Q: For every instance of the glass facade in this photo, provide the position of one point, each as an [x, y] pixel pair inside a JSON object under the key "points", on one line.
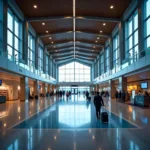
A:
{"points": [[116, 51], [31, 51], [102, 63], [14, 37], [147, 24], [40, 59], [74, 72], [107, 58], [132, 49], [47, 64]]}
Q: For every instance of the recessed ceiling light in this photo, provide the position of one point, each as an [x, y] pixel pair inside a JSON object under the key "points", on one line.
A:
{"points": [[96, 41], [98, 38], [52, 42], [43, 23], [46, 31], [50, 38], [35, 6], [111, 7], [101, 31], [104, 24]]}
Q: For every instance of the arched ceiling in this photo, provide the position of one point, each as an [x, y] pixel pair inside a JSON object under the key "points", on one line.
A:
{"points": [[73, 36]]}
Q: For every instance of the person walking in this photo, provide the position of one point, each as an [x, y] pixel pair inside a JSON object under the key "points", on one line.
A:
{"points": [[123, 96], [98, 102], [116, 95]]}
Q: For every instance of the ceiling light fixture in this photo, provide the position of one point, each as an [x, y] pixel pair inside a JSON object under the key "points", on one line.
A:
{"points": [[96, 41], [35, 6], [104, 24], [54, 46], [43, 23], [52, 42], [111, 7], [93, 46], [50, 38], [46, 31], [101, 31], [98, 38]]}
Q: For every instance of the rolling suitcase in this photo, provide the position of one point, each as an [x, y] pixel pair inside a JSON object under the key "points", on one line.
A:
{"points": [[104, 117]]}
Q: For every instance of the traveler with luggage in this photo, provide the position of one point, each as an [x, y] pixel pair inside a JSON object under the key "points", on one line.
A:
{"points": [[98, 102]]}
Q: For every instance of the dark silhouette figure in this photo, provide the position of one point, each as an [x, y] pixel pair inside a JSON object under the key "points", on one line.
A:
{"points": [[98, 102], [116, 95]]}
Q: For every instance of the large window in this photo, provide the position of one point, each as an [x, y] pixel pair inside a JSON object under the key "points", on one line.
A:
{"points": [[40, 59], [14, 37], [132, 49], [74, 72], [107, 58], [116, 51], [102, 63], [147, 24], [95, 69], [31, 51], [47, 64]]}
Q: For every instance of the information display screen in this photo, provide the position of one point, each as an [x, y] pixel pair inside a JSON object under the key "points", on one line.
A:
{"points": [[144, 85], [0, 82]]}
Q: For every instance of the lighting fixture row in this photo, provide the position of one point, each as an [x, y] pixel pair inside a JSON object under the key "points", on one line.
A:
{"points": [[43, 23], [35, 6]]}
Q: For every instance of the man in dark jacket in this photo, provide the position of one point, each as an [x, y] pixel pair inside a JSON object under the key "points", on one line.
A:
{"points": [[98, 102]]}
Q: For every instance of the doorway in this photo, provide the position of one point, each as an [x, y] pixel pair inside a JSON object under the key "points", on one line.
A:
{"points": [[74, 90]]}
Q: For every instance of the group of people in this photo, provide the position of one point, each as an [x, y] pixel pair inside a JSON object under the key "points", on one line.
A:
{"points": [[102, 93], [143, 93], [63, 93], [120, 96]]}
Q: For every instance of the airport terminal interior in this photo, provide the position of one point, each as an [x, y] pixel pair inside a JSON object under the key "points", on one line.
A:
{"points": [[57, 56]]}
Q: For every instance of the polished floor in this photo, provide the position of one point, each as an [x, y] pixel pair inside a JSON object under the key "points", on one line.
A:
{"points": [[61, 124]]}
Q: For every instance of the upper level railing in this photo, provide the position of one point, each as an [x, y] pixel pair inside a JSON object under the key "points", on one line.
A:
{"points": [[125, 64], [22, 64]]}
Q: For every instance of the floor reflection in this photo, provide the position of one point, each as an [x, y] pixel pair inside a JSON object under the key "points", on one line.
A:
{"points": [[72, 114], [48, 128]]}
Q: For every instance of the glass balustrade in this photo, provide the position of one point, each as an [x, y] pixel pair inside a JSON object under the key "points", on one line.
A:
{"points": [[23, 65]]}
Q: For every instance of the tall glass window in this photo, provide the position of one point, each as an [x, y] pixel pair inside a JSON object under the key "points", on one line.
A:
{"points": [[132, 49], [147, 24], [102, 63], [97, 67], [14, 37], [74, 72], [107, 58], [40, 59], [116, 51], [31, 51], [47, 64]]}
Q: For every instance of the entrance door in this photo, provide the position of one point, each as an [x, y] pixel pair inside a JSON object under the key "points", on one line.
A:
{"points": [[74, 90]]}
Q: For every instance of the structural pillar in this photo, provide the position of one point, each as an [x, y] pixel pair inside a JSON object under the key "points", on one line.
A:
{"points": [[44, 88], [24, 89], [25, 41], [3, 27], [49, 88], [112, 89]]}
